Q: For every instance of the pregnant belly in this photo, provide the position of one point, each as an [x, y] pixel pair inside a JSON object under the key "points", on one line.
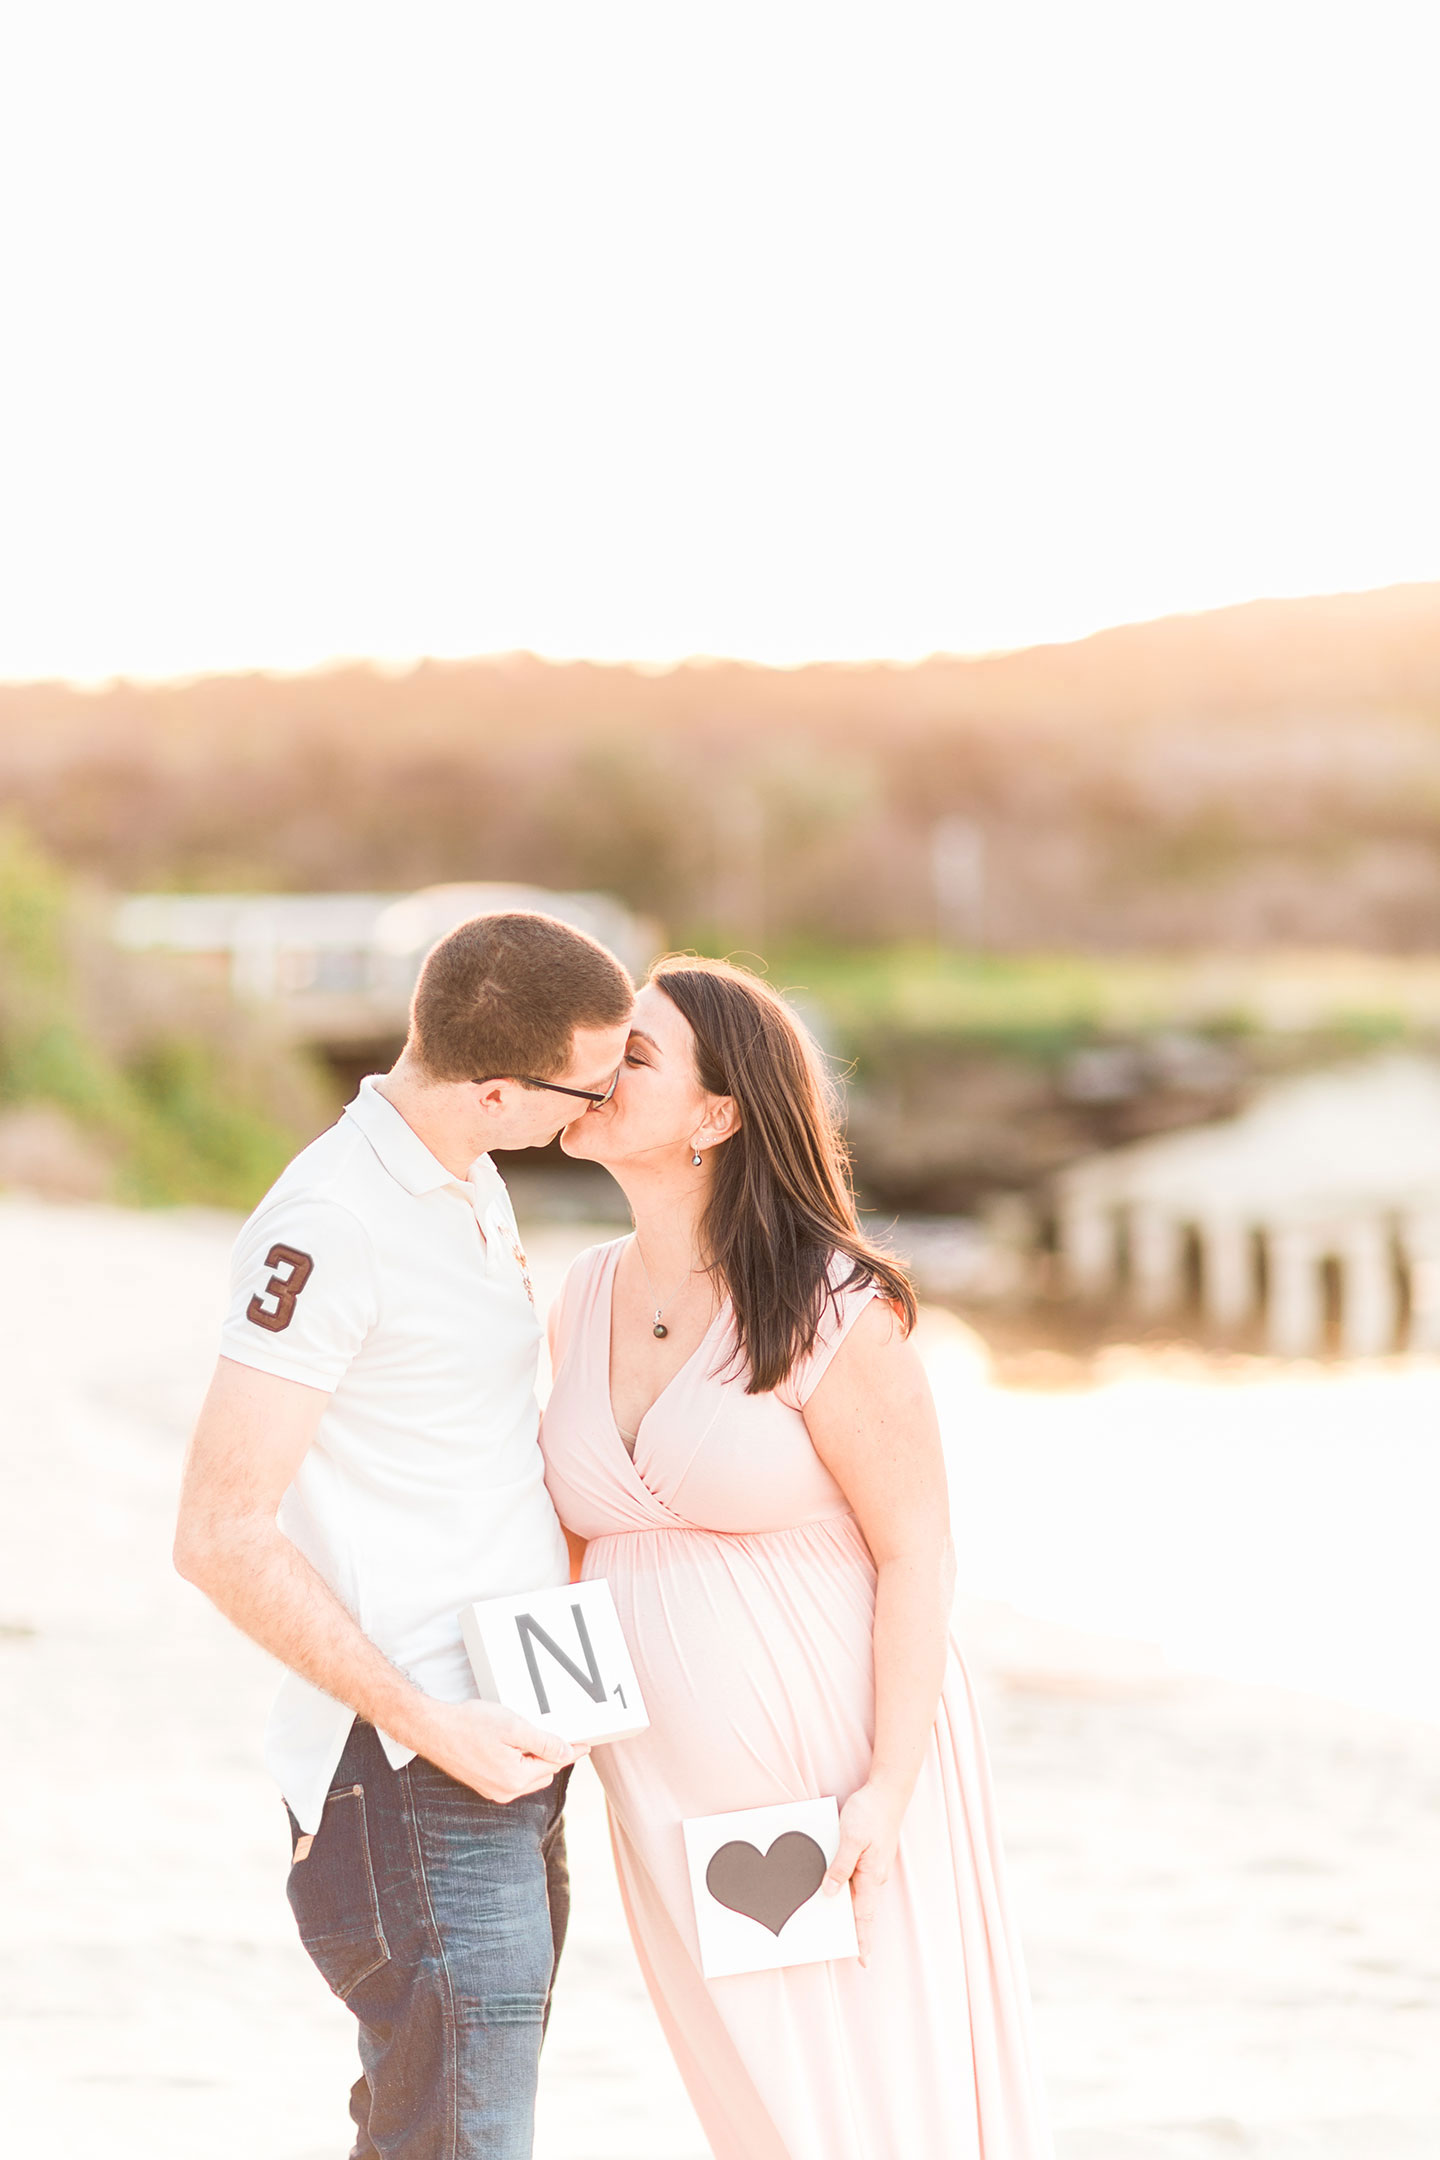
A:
{"points": [[755, 1656]]}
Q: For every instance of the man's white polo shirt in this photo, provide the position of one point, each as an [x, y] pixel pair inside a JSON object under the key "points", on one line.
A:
{"points": [[370, 1271]]}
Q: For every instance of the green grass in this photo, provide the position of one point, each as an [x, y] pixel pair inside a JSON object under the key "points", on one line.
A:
{"points": [[1043, 1002], [1029, 1000]]}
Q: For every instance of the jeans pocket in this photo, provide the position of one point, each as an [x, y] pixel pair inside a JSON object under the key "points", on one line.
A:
{"points": [[332, 1895]]}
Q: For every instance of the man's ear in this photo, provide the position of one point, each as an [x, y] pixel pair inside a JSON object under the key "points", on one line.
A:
{"points": [[491, 1097]]}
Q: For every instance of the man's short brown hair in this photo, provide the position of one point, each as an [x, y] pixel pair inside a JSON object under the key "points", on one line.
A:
{"points": [[502, 996]]}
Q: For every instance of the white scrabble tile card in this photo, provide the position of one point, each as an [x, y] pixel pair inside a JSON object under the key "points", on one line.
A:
{"points": [[559, 1658], [755, 1877]]}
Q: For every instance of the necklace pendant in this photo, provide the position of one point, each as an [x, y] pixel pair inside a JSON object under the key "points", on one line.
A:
{"points": [[660, 1328]]}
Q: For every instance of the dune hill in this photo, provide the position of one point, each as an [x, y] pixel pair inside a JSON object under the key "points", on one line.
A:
{"points": [[1258, 774]]}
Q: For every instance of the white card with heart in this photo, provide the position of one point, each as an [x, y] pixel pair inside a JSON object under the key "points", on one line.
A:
{"points": [[559, 1657], [755, 1876]]}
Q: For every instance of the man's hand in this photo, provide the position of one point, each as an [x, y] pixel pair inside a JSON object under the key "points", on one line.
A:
{"points": [[251, 1438], [493, 1750]]}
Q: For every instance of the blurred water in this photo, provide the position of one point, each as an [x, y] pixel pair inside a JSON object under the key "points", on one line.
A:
{"points": [[1280, 1531]]}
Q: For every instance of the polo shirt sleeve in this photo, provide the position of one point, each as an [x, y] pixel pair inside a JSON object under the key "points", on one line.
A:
{"points": [[304, 1292]]}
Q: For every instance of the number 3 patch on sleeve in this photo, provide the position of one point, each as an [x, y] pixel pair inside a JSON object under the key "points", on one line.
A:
{"points": [[284, 1289]]}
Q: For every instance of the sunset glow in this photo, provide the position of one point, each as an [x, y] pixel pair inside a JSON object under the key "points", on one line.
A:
{"points": [[641, 331]]}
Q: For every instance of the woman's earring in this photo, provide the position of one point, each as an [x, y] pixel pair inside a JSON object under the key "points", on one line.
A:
{"points": [[695, 1157]]}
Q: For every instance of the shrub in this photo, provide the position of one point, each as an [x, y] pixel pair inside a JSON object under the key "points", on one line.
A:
{"points": [[184, 1098]]}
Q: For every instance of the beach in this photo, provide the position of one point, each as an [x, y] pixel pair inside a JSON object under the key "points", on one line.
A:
{"points": [[1200, 1609]]}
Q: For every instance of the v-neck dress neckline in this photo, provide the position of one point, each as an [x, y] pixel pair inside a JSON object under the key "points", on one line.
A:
{"points": [[605, 1326]]}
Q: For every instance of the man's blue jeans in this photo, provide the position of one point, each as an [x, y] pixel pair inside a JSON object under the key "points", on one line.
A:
{"points": [[438, 1918]]}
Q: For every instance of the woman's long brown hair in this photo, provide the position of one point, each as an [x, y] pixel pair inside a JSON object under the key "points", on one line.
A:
{"points": [[781, 1207]]}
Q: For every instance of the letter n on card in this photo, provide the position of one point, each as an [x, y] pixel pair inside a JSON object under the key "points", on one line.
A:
{"points": [[558, 1657], [755, 1876]]}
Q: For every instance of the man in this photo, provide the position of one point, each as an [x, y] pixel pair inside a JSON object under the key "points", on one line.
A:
{"points": [[365, 1465]]}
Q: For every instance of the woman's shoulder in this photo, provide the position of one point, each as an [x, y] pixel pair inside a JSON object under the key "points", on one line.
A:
{"points": [[581, 1279], [593, 1258], [587, 1267], [840, 1268], [850, 1285], [849, 1293]]}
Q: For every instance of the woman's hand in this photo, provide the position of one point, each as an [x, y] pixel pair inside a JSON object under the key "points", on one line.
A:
{"points": [[873, 1424], [869, 1833]]}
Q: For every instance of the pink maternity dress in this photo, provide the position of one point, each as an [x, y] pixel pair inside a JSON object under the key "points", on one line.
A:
{"points": [[746, 1591]]}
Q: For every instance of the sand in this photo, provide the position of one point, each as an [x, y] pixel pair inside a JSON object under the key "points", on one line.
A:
{"points": [[1230, 1892]]}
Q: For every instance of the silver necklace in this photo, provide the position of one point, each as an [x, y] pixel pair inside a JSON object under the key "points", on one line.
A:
{"points": [[659, 1327]]}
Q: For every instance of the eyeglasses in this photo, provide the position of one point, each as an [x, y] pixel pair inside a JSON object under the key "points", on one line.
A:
{"points": [[584, 1094]]}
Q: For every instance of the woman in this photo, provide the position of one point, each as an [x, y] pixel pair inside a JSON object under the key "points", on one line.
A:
{"points": [[743, 1443]]}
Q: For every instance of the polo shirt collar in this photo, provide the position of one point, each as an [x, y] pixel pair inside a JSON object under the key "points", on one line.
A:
{"points": [[485, 1179], [397, 1144]]}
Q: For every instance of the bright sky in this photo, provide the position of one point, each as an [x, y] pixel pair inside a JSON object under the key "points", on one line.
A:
{"points": [[639, 330]]}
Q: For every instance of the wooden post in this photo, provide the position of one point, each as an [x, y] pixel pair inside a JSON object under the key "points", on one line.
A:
{"points": [[1087, 1244], [1420, 1244], [1369, 1302], [1157, 1260], [1296, 1319], [1227, 1270]]}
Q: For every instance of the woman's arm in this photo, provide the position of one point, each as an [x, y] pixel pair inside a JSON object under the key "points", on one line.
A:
{"points": [[872, 1420]]}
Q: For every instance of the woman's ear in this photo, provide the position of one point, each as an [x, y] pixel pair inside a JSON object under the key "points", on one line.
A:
{"points": [[722, 1119]]}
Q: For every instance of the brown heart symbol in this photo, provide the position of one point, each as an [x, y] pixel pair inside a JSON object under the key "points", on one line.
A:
{"points": [[769, 1887]]}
